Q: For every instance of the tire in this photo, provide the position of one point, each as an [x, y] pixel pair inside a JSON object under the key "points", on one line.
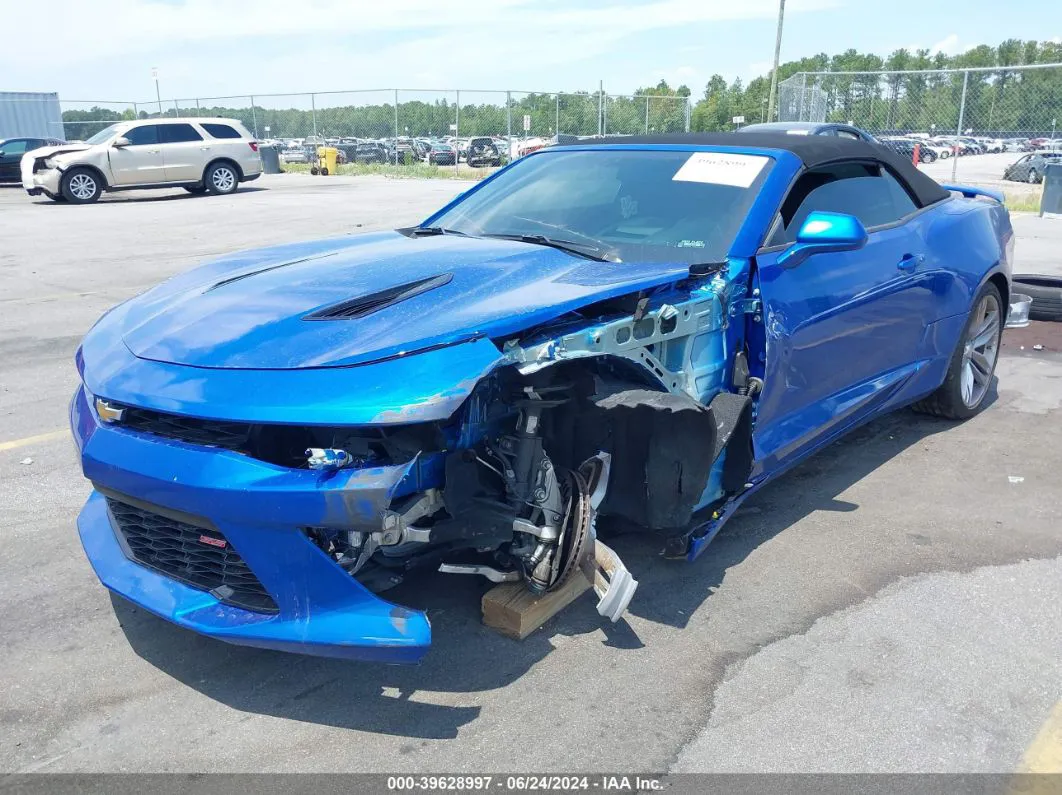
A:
{"points": [[1046, 293], [196, 189], [221, 178], [1032, 178], [81, 186], [324, 172], [314, 171], [967, 383]]}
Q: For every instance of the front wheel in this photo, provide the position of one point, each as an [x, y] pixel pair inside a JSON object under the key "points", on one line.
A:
{"points": [[81, 186], [221, 179], [966, 385]]}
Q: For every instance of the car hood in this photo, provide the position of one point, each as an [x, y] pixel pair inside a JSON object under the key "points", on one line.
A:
{"points": [[61, 149], [364, 298]]}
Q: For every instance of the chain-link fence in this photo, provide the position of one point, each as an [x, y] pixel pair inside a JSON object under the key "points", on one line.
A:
{"points": [[515, 116], [81, 119], [1009, 113]]}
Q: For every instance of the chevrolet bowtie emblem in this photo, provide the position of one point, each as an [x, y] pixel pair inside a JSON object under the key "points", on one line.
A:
{"points": [[107, 412]]}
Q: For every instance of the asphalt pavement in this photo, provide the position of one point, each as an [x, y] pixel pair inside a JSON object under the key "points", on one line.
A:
{"points": [[888, 605]]}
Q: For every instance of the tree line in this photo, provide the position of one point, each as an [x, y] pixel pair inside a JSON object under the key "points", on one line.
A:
{"points": [[996, 101]]}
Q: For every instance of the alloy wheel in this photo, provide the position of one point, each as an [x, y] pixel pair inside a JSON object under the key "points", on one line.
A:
{"points": [[980, 352], [223, 179], [83, 186]]}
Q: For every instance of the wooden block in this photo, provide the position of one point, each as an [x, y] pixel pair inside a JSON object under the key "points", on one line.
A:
{"points": [[515, 612]]}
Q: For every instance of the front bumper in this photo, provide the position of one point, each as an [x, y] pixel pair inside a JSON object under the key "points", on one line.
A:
{"points": [[260, 508], [46, 180]]}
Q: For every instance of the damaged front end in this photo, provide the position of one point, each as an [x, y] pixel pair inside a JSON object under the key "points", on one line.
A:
{"points": [[617, 411], [501, 458]]}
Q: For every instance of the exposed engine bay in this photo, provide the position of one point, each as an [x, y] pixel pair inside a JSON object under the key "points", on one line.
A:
{"points": [[620, 424]]}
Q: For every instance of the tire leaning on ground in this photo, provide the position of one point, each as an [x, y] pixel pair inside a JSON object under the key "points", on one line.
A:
{"points": [[81, 186], [221, 178], [1045, 292], [969, 377]]}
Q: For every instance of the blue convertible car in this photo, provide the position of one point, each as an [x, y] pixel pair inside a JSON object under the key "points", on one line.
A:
{"points": [[631, 334]]}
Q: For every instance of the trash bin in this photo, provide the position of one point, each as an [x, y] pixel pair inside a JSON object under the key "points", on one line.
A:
{"points": [[1051, 199], [270, 159], [326, 160]]}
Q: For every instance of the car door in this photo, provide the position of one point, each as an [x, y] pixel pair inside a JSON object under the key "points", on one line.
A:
{"points": [[12, 150], [843, 330], [184, 152], [140, 162]]}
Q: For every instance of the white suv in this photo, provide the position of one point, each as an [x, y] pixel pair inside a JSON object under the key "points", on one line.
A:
{"points": [[199, 155]]}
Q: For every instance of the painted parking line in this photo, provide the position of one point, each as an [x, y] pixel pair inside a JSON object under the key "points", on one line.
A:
{"points": [[14, 444], [1044, 755]]}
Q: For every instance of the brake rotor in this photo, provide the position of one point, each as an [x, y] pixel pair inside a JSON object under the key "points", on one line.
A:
{"points": [[577, 539]]}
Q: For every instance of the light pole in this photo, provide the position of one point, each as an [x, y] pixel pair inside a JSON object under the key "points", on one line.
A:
{"points": [[155, 77], [763, 109], [777, 53]]}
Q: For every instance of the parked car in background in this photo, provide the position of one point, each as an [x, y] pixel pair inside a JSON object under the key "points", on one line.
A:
{"points": [[906, 147], [811, 128], [1031, 167], [973, 146], [482, 152], [440, 154], [370, 152], [199, 155], [12, 150], [942, 151], [404, 150], [294, 154], [1016, 145]]}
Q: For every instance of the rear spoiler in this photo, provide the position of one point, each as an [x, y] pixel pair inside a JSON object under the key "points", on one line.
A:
{"points": [[973, 193]]}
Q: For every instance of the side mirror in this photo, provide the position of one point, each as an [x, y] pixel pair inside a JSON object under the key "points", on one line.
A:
{"points": [[121, 141], [823, 233]]}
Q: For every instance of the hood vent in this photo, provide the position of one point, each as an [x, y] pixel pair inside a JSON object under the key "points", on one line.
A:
{"points": [[367, 304]]}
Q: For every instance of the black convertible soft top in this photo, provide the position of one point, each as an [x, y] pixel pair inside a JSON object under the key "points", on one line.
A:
{"points": [[813, 150]]}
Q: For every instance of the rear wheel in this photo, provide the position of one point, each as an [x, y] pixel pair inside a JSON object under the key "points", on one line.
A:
{"points": [[966, 385], [221, 178], [81, 186]]}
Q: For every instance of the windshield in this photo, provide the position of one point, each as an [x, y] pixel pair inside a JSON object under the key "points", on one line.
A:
{"points": [[637, 205], [103, 135]]}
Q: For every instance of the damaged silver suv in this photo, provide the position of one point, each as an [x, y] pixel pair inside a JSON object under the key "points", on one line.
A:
{"points": [[199, 155]]}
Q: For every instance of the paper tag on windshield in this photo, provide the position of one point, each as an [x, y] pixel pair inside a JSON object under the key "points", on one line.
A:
{"points": [[717, 168]]}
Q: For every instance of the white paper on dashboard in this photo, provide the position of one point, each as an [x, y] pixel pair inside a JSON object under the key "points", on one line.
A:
{"points": [[717, 168]]}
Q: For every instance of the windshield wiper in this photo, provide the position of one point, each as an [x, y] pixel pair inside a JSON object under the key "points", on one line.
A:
{"points": [[587, 250], [428, 231]]}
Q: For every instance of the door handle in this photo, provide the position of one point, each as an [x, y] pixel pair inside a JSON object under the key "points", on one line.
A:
{"points": [[910, 262]]}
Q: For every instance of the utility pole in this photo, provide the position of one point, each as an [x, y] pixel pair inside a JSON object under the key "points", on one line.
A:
{"points": [[155, 77], [777, 54]]}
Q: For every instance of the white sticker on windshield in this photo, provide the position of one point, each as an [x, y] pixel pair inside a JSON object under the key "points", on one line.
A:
{"points": [[717, 168]]}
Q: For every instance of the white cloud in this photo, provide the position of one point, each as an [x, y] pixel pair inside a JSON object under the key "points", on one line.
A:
{"points": [[949, 45]]}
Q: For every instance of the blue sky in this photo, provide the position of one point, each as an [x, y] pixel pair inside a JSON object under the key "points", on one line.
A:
{"points": [[225, 47]]}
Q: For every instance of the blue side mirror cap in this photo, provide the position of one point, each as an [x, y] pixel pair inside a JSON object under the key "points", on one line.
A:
{"points": [[824, 232]]}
